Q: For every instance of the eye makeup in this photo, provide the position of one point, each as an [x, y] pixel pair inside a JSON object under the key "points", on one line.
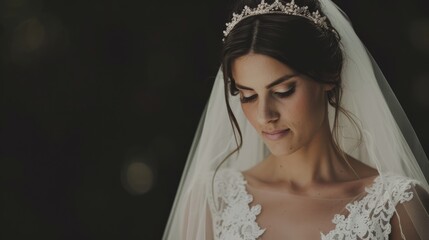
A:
{"points": [[289, 92]]}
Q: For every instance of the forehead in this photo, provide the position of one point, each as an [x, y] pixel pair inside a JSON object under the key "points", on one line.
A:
{"points": [[255, 70]]}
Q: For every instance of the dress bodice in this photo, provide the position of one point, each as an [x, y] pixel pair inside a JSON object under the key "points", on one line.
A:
{"points": [[236, 212]]}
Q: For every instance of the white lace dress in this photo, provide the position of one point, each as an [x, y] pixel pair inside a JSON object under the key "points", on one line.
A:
{"points": [[236, 212]]}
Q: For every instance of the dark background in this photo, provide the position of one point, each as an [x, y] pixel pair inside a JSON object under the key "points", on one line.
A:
{"points": [[101, 98]]}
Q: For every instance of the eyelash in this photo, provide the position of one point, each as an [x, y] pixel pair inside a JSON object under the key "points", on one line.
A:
{"points": [[280, 94]]}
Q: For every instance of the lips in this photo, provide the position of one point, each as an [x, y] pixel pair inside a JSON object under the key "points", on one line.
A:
{"points": [[276, 135]]}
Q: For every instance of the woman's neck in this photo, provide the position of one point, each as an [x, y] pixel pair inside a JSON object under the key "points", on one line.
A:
{"points": [[316, 162]]}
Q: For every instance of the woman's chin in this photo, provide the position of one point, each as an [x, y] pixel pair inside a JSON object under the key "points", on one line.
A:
{"points": [[282, 150]]}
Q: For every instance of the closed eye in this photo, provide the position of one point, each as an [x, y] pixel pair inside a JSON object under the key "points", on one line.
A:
{"points": [[244, 99], [289, 92]]}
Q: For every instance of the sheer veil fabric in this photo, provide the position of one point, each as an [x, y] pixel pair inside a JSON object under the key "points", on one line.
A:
{"points": [[388, 144]]}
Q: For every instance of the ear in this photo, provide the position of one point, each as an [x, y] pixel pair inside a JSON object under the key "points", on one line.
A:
{"points": [[328, 87]]}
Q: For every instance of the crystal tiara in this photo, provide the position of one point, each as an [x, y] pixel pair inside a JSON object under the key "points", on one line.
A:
{"points": [[276, 7]]}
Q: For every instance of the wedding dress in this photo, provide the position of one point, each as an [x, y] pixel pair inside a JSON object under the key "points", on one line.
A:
{"points": [[221, 203], [241, 211]]}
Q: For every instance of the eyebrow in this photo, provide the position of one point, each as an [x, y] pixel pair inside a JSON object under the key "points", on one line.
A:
{"points": [[272, 84]]}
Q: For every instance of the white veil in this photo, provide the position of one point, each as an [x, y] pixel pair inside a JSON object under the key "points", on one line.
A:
{"points": [[389, 142]]}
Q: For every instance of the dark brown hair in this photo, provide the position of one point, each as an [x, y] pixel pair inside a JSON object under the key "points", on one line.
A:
{"points": [[293, 40]]}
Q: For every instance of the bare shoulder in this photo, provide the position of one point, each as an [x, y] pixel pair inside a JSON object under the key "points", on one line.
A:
{"points": [[362, 169], [254, 175], [258, 175]]}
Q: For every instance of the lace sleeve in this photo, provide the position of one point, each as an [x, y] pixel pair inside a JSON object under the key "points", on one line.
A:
{"points": [[233, 218], [411, 219], [226, 213]]}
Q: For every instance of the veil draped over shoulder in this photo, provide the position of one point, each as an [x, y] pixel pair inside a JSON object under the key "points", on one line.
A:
{"points": [[388, 144]]}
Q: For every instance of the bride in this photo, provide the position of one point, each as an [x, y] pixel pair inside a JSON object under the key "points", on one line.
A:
{"points": [[302, 137]]}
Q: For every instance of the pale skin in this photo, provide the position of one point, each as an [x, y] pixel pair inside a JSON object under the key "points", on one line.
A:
{"points": [[304, 160], [307, 150]]}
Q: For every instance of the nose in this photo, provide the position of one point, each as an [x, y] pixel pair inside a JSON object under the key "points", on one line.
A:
{"points": [[267, 111]]}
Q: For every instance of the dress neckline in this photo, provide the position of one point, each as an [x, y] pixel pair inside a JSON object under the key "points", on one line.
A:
{"points": [[364, 191], [357, 219], [343, 217]]}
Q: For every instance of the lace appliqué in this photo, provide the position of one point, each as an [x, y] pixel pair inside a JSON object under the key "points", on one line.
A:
{"points": [[233, 217], [369, 218]]}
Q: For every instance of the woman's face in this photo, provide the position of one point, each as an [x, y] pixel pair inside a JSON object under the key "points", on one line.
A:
{"points": [[286, 109]]}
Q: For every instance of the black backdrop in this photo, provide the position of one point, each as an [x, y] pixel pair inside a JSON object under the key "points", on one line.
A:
{"points": [[101, 98]]}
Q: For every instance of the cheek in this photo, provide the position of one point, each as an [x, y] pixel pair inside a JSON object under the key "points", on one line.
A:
{"points": [[298, 108], [306, 110]]}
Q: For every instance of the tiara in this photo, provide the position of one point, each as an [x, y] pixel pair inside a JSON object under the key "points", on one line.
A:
{"points": [[276, 7]]}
